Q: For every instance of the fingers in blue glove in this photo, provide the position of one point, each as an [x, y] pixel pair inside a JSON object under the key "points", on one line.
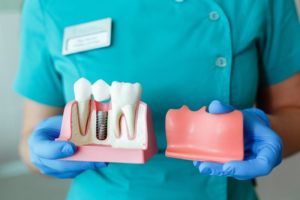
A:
{"points": [[53, 122], [45, 152], [211, 168], [261, 165], [66, 165], [64, 168], [66, 175], [217, 107], [42, 146], [263, 148]]}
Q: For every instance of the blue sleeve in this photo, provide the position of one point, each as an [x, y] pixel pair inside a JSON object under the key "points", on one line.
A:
{"points": [[37, 78], [281, 47]]}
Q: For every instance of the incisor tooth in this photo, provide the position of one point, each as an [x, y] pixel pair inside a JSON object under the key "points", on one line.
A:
{"points": [[82, 92], [124, 98]]}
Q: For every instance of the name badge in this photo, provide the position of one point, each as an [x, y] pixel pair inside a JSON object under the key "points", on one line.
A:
{"points": [[87, 36]]}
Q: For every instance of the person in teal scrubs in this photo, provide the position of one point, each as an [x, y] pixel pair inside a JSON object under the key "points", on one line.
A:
{"points": [[183, 52]]}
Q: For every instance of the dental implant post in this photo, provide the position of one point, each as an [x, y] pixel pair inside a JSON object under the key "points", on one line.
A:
{"points": [[101, 125], [101, 93]]}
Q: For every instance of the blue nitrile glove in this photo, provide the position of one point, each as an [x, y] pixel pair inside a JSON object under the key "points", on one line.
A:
{"points": [[45, 152], [263, 147]]}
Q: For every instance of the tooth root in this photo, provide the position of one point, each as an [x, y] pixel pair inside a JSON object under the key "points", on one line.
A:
{"points": [[115, 121], [82, 92], [124, 98], [83, 111], [129, 114]]}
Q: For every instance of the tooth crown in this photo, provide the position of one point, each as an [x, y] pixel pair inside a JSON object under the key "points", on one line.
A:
{"points": [[129, 93], [82, 90], [101, 90], [202, 136]]}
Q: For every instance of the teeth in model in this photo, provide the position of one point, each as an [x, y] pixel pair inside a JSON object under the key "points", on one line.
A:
{"points": [[101, 91], [124, 100], [83, 92]]}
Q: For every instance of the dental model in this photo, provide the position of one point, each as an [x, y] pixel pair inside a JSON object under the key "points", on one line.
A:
{"points": [[118, 131], [201, 136]]}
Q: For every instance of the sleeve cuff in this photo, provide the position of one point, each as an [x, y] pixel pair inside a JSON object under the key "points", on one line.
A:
{"points": [[281, 73], [48, 99]]}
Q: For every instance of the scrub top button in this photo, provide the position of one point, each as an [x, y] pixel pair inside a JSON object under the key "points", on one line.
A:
{"points": [[221, 62], [214, 16]]}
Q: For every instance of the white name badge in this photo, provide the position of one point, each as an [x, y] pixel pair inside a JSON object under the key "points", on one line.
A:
{"points": [[87, 36]]}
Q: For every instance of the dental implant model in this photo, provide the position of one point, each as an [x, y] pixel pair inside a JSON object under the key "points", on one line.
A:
{"points": [[118, 131]]}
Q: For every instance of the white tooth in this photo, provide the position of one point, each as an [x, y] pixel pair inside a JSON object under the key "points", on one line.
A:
{"points": [[83, 92], [124, 98], [100, 90], [129, 111]]}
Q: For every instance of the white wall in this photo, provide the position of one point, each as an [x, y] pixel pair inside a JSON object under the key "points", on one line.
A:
{"points": [[283, 184], [15, 180], [10, 114]]}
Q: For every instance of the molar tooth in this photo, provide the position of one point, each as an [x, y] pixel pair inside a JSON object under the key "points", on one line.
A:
{"points": [[125, 98], [101, 90], [82, 92]]}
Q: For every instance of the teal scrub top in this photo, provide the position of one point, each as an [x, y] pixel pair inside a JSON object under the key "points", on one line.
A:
{"points": [[182, 52]]}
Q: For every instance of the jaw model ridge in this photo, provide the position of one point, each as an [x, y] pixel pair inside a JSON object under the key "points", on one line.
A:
{"points": [[198, 135]]}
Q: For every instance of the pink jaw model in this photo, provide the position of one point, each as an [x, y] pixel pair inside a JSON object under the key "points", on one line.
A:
{"points": [[204, 137], [119, 131]]}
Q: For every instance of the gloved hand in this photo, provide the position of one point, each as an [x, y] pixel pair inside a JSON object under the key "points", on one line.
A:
{"points": [[45, 152], [263, 147]]}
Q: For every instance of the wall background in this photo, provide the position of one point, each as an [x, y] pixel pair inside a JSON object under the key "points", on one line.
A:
{"points": [[15, 180], [10, 5]]}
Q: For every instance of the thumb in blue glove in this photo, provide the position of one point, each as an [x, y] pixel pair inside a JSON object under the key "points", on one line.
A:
{"points": [[45, 152], [263, 147]]}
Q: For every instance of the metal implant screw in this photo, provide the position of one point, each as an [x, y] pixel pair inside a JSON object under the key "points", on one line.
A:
{"points": [[101, 125]]}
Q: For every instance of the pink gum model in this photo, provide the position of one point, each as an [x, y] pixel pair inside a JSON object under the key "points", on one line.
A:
{"points": [[203, 136], [107, 153]]}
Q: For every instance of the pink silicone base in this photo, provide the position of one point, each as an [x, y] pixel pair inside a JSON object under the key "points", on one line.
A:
{"points": [[108, 154], [204, 137], [101, 153]]}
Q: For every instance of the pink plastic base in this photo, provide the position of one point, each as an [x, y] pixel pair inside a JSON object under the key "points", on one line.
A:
{"points": [[101, 153], [204, 137]]}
